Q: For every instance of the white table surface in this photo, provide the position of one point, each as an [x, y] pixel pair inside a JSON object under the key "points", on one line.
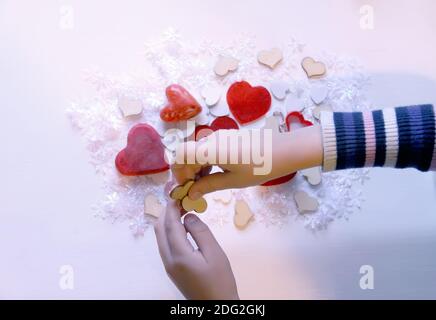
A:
{"points": [[48, 186]]}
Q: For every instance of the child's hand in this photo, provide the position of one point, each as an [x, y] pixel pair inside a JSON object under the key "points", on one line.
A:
{"points": [[283, 154], [199, 274]]}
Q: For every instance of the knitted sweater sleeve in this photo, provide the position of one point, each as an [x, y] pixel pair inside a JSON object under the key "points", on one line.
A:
{"points": [[402, 137]]}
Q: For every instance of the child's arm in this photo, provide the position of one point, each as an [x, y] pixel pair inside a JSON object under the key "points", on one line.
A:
{"points": [[402, 137]]}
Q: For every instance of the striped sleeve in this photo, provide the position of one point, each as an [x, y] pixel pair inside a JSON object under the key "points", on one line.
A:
{"points": [[402, 137]]}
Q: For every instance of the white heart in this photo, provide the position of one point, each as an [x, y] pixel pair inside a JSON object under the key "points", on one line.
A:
{"points": [[203, 117], [279, 89], [211, 95], [316, 112], [172, 138], [220, 109], [318, 93], [305, 203], [129, 107], [313, 175], [293, 103]]}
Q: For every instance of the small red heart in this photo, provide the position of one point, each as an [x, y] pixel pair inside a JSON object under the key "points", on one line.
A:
{"points": [[220, 123], [223, 122], [248, 103], [202, 131], [181, 105], [280, 180], [144, 153], [298, 119]]}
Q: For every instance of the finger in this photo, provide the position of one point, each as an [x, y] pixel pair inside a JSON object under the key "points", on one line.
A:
{"points": [[175, 232], [202, 236], [210, 183], [162, 242]]}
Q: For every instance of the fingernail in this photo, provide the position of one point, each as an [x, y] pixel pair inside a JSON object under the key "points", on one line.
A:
{"points": [[190, 219]]}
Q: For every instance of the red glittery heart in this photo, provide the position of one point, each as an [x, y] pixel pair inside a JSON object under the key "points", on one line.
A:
{"points": [[181, 105], [248, 103], [144, 153]]}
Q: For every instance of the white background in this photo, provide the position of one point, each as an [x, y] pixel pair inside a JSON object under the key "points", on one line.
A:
{"points": [[48, 187]]}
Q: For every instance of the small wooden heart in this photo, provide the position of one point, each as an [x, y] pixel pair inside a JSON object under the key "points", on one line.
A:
{"points": [[305, 203], [313, 69], [225, 64], [129, 107], [199, 205], [179, 192], [270, 58], [152, 206]]}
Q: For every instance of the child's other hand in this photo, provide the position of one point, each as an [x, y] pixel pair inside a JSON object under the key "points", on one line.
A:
{"points": [[282, 154], [199, 274]]}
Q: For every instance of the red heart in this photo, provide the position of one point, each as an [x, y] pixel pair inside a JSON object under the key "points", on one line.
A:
{"points": [[280, 180], [202, 131], [248, 103], [220, 123], [223, 122], [293, 117], [297, 118], [144, 153], [181, 105]]}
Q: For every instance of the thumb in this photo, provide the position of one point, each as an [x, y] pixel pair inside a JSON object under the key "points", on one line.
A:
{"points": [[202, 236], [210, 183]]}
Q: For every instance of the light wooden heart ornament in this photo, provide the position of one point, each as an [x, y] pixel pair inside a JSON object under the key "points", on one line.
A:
{"points": [[181, 193], [243, 214], [270, 58], [313, 69], [225, 64]]}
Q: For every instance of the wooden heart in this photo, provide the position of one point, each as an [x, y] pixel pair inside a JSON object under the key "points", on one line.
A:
{"points": [[225, 64], [270, 58], [179, 192], [313, 69], [243, 214], [199, 205], [144, 153], [181, 105], [152, 206], [248, 103], [305, 203]]}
